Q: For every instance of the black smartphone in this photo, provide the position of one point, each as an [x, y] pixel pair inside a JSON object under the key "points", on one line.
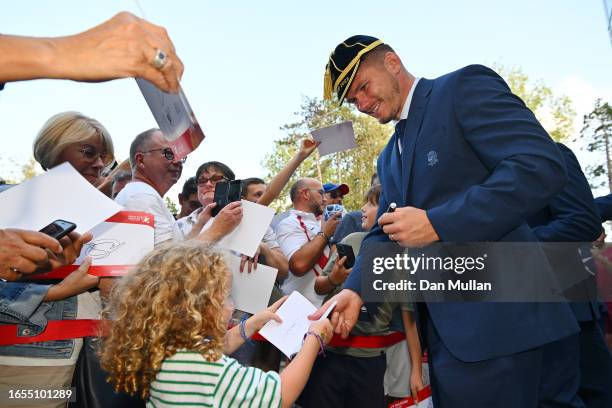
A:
{"points": [[221, 194], [59, 229], [346, 250], [235, 190]]}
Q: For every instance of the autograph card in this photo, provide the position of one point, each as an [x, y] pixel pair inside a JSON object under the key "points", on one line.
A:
{"points": [[118, 244], [174, 117], [251, 290], [60, 193], [288, 335], [336, 138]]}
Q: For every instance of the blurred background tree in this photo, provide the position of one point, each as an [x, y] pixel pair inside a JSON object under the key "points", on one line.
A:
{"points": [[596, 136]]}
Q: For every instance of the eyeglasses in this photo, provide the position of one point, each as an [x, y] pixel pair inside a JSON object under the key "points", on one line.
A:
{"points": [[167, 152], [202, 181], [91, 154]]}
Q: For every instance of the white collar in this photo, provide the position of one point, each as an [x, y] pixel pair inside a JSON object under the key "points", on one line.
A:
{"points": [[193, 217], [304, 214], [406, 109]]}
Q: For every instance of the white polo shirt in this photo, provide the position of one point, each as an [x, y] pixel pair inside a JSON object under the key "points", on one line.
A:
{"points": [[139, 196], [292, 235]]}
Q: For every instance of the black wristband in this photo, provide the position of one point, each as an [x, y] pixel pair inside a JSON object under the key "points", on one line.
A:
{"points": [[321, 233]]}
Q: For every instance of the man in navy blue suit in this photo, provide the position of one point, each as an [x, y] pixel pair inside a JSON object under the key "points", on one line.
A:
{"points": [[572, 216], [468, 162]]}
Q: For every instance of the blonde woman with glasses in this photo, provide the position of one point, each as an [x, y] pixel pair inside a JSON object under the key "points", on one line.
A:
{"points": [[84, 143]]}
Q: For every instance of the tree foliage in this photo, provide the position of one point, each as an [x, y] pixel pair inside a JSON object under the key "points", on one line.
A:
{"points": [[18, 173], [597, 136], [171, 205], [354, 167], [555, 112], [29, 170]]}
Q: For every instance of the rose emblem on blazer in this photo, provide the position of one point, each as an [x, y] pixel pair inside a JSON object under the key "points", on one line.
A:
{"points": [[432, 158]]}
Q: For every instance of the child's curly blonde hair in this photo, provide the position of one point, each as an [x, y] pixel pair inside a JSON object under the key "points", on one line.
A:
{"points": [[173, 299]]}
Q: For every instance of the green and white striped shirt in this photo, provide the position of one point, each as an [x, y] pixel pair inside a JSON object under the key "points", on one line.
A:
{"points": [[186, 379]]}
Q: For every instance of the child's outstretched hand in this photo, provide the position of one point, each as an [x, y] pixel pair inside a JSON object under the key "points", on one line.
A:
{"points": [[323, 328], [257, 321]]}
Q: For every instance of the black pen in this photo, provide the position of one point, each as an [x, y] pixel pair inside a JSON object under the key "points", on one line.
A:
{"points": [[391, 208]]}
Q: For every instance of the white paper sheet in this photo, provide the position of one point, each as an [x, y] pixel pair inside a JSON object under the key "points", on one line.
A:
{"points": [[247, 236], [174, 117], [119, 243], [288, 335], [336, 138], [251, 291], [60, 193]]}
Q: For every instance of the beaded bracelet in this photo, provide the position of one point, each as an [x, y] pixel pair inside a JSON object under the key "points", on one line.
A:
{"points": [[318, 337], [242, 328]]}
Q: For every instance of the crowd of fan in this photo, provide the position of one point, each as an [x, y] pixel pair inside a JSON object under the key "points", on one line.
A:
{"points": [[182, 286], [168, 317]]}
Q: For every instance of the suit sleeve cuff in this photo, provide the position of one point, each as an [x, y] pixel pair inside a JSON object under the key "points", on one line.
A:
{"points": [[354, 279]]}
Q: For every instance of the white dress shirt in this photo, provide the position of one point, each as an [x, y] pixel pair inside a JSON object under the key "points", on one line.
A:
{"points": [[406, 109]]}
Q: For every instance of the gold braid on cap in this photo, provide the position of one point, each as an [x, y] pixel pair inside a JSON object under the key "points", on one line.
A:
{"points": [[327, 83], [346, 70]]}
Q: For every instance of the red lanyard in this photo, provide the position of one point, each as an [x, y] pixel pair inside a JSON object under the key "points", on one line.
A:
{"points": [[322, 261], [55, 330]]}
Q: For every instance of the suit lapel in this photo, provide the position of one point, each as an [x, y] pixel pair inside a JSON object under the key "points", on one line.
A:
{"points": [[411, 132]]}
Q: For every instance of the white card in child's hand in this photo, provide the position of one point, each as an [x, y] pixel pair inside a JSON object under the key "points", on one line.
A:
{"points": [[289, 335]]}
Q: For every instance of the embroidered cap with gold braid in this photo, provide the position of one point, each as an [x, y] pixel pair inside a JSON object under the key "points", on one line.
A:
{"points": [[344, 62]]}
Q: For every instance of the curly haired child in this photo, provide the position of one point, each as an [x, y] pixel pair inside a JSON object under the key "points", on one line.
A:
{"points": [[168, 341]]}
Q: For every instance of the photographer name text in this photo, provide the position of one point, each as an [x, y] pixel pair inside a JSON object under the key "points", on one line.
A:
{"points": [[425, 285]]}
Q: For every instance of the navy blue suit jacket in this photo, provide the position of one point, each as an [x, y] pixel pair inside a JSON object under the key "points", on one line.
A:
{"points": [[477, 160], [571, 216], [604, 204]]}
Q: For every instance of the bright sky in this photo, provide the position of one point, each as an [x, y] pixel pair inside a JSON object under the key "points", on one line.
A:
{"points": [[249, 64]]}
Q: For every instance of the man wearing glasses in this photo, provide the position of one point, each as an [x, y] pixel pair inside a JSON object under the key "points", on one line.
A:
{"points": [[304, 238], [155, 169]]}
